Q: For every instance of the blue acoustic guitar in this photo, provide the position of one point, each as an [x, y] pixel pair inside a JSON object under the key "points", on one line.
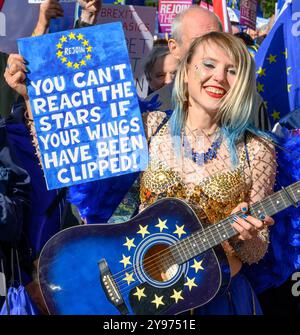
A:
{"points": [[161, 262]]}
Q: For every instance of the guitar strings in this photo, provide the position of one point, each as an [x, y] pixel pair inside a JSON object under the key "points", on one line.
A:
{"points": [[196, 238], [210, 229]]}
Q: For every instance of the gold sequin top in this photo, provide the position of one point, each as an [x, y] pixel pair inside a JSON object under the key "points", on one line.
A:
{"points": [[214, 189]]}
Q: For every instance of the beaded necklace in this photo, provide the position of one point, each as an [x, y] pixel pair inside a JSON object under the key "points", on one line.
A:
{"points": [[202, 157]]}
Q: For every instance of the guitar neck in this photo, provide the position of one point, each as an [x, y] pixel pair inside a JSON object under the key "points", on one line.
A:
{"points": [[213, 235]]}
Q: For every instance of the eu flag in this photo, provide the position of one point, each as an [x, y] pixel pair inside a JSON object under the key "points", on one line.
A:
{"points": [[277, 64]]}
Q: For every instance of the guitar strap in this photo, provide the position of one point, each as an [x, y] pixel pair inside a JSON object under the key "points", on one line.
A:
{"points": [[128, 207]]}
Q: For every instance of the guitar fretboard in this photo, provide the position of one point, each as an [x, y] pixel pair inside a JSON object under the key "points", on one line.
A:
{"points": [[213, 235]]}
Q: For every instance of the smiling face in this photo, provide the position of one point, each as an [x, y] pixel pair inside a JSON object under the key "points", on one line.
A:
{"points": [[209, 76]]}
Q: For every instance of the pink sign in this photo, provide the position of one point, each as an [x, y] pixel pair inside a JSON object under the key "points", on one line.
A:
{"points": [[206, 5], [248, 13], [167, 10]]}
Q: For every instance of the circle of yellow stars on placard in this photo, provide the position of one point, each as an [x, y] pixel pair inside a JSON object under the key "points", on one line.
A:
{"points": [[141, 293], [82, 41]]}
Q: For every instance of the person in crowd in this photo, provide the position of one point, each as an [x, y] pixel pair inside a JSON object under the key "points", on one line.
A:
{"points": [[188, 25], [160, 67], [248, 40], [50, 212], [210, 154], [14, 203], [7, 96], [214, 95]]}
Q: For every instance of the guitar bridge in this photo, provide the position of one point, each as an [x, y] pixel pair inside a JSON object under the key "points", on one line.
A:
{"points": [[110, 288]]}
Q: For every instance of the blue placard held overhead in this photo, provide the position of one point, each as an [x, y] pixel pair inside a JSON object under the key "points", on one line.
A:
{"points": [[84, 105]]}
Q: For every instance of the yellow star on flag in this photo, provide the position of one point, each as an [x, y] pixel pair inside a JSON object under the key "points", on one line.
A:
{"points": [[260, 87], [128, 278], [289, 87], [59, 53], [179, 231], [190, 283], [288, 69], [261, 72], [265, 103], [177, 295], [64, 59], [82, 62], [89, 49], [88, 56], [161, 225], [69, 64], [80, 37], [197, 265], [140, 293], [59, 46], [158, 301], [85, 43], [272, 58], [285, 53], [129, 243], [76, 66], [63, 39], [72, 36], [143, 231], [276, 115], [125, 261]]}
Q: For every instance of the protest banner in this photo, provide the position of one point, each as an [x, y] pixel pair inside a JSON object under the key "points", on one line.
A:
{"points": [[248, 13], [84, 105], [139, 25], [18, 19], [167, 10]]}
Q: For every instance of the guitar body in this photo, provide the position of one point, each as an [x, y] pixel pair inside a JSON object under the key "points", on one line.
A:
{"points": [[86, 269]]}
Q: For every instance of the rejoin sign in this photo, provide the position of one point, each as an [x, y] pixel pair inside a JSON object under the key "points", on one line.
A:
{"points": [[167, 10], [84, 105]]}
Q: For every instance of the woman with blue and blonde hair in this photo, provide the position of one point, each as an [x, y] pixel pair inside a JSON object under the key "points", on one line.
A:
{"points": [[209, 154]]}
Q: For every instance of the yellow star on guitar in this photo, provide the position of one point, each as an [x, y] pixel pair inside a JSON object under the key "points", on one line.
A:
{"points": [[190, 283], [143, 231], [177, 295], [125, 261], [129, 243], [179, 231], [197, 265], [128, 278], [158, 301], [140, 293], [161, 225]]}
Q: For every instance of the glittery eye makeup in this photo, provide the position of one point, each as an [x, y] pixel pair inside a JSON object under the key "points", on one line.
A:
{"points": [[198, 72]]}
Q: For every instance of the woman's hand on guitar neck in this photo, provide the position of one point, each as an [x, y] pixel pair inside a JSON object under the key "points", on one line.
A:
{"points": [[247, 225]]}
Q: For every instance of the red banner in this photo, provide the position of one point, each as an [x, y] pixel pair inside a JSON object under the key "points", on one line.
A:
{"points": [[1, 4]]}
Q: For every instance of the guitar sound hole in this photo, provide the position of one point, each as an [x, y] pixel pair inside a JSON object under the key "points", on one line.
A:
{"points": [[159, 263]]}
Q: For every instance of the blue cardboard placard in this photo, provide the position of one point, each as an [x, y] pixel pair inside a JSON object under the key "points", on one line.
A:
{"points": [[84, 105]]}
